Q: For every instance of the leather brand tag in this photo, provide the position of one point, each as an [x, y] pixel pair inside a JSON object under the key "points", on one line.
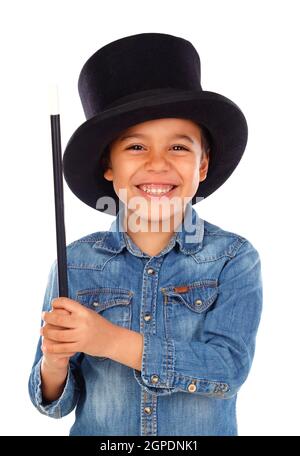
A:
{"points": [[181, 289]]}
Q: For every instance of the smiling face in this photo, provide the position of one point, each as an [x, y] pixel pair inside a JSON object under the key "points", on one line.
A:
{"points": [[156, 166]]}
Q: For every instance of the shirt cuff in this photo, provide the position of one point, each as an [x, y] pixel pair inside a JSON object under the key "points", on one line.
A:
{"points": [[61, 406], [165, 370]]}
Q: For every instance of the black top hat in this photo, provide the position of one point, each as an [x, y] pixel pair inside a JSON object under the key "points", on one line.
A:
{"points": [[143, 77]]}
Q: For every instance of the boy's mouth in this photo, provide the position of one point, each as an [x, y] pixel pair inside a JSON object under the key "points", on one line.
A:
{"points": [[156, 190]]}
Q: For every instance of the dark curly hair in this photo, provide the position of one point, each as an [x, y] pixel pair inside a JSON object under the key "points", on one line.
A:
{"points": [[206, 145]]}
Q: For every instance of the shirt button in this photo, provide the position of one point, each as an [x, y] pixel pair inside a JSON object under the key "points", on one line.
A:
{"points": [[95, 304], [148, 410], [154, 378], [147, 317], [221, 388], [198, 302], [192, 387], [150, 271]]}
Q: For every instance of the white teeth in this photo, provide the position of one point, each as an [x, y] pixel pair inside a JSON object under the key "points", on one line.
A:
{"points": [[156, 190]]}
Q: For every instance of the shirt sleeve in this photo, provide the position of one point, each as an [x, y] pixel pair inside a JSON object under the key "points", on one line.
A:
{"points": [[70, 394], [219, 364]]}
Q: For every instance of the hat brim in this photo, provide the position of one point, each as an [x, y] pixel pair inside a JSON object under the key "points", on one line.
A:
{"points": [[221, 116]]}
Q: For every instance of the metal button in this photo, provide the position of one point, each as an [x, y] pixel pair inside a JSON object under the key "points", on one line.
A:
{"points": [[154, 378], [95, 304], [198, 302], [147, 317], [220, 388], [192, 387], [148, 410], [150, 271]]}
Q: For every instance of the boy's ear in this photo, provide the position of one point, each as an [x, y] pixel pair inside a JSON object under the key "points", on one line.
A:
{"points": [[204, 167], [108, 174]]}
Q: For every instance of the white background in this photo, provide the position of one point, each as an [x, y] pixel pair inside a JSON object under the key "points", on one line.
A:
{"points": [[250, 53]]}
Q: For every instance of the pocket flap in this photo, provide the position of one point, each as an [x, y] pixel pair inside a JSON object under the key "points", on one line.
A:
{"points": [[198, 296], [103, 298]]}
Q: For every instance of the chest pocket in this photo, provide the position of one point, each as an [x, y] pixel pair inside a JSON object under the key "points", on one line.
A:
{"points": [[114, 304], [186, 307]]}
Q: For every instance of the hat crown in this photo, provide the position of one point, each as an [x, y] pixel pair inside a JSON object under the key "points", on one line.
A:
{"points": [[137, 66]]}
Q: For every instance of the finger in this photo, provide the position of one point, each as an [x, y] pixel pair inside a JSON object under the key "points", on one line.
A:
{"points": [[57, 311], [64, 355], [54, 318], [60, 311], [60, 335], [60, 355], [51, 326], [66, 303], [55, 348], [47, 326]]}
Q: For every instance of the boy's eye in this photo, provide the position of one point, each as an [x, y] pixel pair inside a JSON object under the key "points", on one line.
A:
{"points": [[182, 147], [134, 145], [138, 145]]}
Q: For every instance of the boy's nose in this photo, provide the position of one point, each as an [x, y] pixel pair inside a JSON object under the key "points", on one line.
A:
{"points": [[158, 160]]}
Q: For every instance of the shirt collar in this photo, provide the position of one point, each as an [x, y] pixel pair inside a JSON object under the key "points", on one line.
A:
{"points": [[189, 235]]}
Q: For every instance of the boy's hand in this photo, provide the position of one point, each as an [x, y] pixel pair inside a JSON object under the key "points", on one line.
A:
{"points": [[55, 361], [79, 330]]}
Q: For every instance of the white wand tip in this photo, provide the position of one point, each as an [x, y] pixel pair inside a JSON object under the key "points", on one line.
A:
{"points": [[53, 99]]}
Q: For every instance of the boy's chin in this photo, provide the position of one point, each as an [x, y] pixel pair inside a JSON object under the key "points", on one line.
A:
{"points": [[142, 217]]}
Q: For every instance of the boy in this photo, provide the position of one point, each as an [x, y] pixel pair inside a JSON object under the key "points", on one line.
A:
{"points": [[158, 333]]}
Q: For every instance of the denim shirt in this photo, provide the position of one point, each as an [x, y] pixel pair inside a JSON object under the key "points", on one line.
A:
{"points": [[198, 304]]}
